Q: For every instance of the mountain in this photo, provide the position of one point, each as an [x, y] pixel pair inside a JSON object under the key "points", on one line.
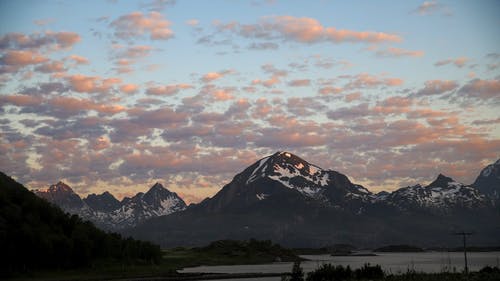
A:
{"points": [[63, 196], [443, 195], [284, 175], [109, 213], [488, 181], [295, 203], [158, 201], [36, 235], [104, 202]]}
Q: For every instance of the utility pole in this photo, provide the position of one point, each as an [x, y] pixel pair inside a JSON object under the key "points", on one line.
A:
{"points": [[464, 237]]}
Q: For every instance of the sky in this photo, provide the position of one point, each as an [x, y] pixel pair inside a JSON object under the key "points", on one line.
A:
{"points": [[117, 95]]}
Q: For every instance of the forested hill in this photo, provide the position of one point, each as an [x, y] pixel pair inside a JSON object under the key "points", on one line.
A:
{"points": [[35, 235]]}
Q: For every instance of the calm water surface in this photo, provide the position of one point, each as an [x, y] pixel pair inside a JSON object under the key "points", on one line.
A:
{"points": [[391, 263]]}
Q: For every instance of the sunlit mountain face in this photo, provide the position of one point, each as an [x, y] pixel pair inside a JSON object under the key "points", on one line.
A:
{"points": [[118, 95]]}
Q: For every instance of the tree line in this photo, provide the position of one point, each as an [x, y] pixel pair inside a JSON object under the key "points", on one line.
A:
{"points": [[36, 235]]}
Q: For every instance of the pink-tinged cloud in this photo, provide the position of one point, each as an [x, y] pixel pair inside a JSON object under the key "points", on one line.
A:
{"points": [[137, 24], [458, 62], [49, 67], [397, 102], [309, 30], [353, 97], [139, 51], [79, 59], [328, 90], [22, 58], [91, 84], [299, 83], [129, 88], [289, 138], [211, 76], [365, 80], [51, 41], [65, 39], [437, 87], [481, 89], [303, 30], [21, 100], [267, 83], [76, 105], [42, 22], [397, 53], [427, 7], [167, 90]]}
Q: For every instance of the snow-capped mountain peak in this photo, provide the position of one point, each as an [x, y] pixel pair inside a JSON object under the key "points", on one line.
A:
{"points": [[106, 211], [291, 171], [441, 195]]}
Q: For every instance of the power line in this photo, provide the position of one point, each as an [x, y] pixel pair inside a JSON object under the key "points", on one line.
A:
{"points": [[464, 237]]}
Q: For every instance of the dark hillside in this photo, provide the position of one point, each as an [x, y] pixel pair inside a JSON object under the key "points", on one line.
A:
{"points": [[36, 235]]}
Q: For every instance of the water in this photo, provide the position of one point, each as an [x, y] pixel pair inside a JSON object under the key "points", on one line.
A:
{"points": [[429, 262]]}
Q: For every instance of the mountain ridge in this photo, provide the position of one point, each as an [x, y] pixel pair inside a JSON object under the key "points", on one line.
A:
{"points": [[109, 213], [285, 198]]}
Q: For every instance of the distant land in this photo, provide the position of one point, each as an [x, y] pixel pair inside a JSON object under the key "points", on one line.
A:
{"points": [[288, 200]]}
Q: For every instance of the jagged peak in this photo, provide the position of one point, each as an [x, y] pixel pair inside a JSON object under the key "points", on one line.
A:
{"points": [[441, 181], [60, 187], [157, 187]]}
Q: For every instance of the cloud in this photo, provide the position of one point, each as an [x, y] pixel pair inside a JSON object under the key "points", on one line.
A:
{"points": [[193, 22], [167, 90], [328, 90], [49, 41], [129, 88], [158, 5], [365, 80], [21, 100], [303, 30], [79, 59], [42, 22], [211, 76], [299, 83], [91, 84], [397, 53], [49, 67], [137, 25], [276, 75], [22, 58], [458, 62], [282, 138], [431, 7], [263, 46], [427, 7], [70, 104], [481, 89], [437, 87]]}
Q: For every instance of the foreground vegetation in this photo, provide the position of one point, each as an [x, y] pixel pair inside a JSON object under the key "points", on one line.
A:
{"points": [[329, 272], [37, 236]]}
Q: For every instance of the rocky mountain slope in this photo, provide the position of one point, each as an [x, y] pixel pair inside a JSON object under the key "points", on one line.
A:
{"points": [[109, 213]]}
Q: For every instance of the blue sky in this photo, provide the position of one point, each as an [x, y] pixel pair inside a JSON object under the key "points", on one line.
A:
{"points": [[119, 94]]}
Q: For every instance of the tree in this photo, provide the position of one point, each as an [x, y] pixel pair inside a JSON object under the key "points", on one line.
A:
{"points": [[297, 272]]}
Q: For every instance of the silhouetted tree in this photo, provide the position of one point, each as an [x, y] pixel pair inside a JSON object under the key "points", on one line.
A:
{"points": [[297, 272]]}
